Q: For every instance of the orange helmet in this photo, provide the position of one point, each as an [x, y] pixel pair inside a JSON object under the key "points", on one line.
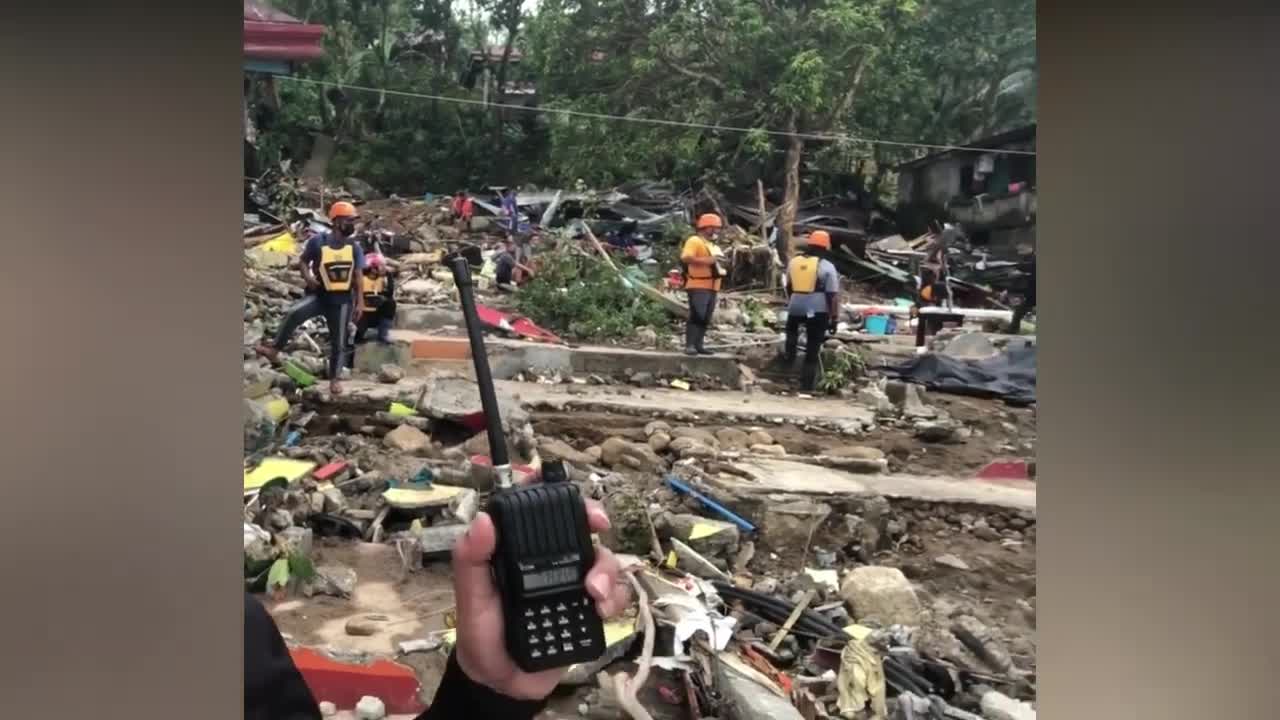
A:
{"points": [[342, 208], [820, 238], [709, 220]]}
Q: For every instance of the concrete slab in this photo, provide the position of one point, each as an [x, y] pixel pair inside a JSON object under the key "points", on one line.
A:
{"points": [[766, 476]]}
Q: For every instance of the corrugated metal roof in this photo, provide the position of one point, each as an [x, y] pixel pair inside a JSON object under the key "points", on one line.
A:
{"points": [[273, 35]]}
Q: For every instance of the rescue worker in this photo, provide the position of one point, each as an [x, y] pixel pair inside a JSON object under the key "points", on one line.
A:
{"points": [[332, 265], [701, 260], [1028, 267], [377, 300], [813, 286]]}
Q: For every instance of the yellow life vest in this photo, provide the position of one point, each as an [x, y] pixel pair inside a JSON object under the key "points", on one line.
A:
{"points": [[803, 274], [336, 266], [372, 288]]}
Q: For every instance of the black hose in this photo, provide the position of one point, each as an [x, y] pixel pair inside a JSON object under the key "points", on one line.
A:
{"points": [[759, 600]]}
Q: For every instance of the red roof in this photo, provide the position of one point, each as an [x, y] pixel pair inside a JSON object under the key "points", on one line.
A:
{"points": [[272, 35]]}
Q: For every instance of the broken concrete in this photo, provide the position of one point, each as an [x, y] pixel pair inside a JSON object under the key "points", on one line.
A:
{"points": [[998, 706], [881, 594], [705, 535], [792, 525], [407, 439]]}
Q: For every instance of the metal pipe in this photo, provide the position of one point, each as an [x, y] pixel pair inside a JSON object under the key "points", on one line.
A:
{"points": [[484, 378]]}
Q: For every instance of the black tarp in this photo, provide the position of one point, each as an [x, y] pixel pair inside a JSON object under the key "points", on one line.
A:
{"points": [[1010, 375]]}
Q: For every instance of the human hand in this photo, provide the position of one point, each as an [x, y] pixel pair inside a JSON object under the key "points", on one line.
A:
{"points": [[481, 646]]}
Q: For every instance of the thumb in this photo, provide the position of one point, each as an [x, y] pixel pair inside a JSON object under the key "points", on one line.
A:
{"points": [[472, 581]]}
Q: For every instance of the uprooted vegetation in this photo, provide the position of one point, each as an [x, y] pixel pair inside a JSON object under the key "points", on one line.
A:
{"points": [[582, 298]]}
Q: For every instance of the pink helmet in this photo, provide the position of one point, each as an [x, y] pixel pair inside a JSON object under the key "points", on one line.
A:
{"points": [[375, 260]]}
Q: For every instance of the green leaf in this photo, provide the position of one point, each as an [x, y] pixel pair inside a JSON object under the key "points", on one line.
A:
{"points": [[278, 577], [300, 566]]}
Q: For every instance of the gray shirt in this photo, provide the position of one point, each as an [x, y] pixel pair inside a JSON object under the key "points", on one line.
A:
{"points": [[806, 304]]}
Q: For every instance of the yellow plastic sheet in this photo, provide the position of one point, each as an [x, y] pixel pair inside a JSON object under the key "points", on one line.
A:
{"points": [[702, 529], [402, 410], [276, 407], [282, 243], [274, 467], [413, 498]]}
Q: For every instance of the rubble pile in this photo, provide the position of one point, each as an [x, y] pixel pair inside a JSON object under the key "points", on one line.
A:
{"points": [[819, 564]]}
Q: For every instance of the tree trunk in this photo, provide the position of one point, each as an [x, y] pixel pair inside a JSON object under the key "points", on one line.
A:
{"points": [[500, 91], [791, 188]]}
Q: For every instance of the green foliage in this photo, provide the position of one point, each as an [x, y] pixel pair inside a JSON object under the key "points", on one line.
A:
{"points": [[840, 368], [756, 313], [278, 576], [581, 297]]}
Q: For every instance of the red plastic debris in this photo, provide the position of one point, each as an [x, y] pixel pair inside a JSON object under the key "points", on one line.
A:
{"points": [[328, 471], [343, 684], [1005, 470]]}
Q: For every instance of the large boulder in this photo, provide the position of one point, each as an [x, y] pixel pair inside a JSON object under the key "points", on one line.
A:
{"points": [[619, 453], [791, 525], [703, 436], [556, 449], [881, 594]]}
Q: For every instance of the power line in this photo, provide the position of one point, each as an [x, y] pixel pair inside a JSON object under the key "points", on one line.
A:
{"points": [[654, 121]]}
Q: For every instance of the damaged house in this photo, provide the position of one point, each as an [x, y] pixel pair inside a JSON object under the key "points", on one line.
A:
{"points": [[992, 196]]}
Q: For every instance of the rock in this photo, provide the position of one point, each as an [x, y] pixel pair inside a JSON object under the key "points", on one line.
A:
{"points": [[791, 525], [882, 594], [657, 426], [875, 398], [389, 373], [647, 337], [770, 450], [746, 551], [366, 625], [335, 580], [706, 536], [732, 438], [690, 447], [328, 709], [619, 453], [407, 439], [628, 523], [759, 437], [913, 406], [970, 346], [980, 641], [370, 708], [258, 550], [746, 699], [279, 519], [334, 500], [438, 540], [642, 379], [729, 316], [936, 432], [997, 706], [983, 531], [259, 428], [858, 452], [659, 441], [766, 585], [361, 190], [693, 562], [703, 436], [595, 452], [556, 449], [426, 644], [297, 541], [951, 561]]}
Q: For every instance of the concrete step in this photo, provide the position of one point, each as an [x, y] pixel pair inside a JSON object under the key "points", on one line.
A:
{"points": [[421, 353]]}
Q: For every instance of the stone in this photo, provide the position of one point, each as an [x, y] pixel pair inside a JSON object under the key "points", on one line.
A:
{"points": [[882, 594], [705, 535], [791, 525], [766, 585], [628, 522], [642, 379], [647, 337], [657, 426], [693, 562], [952, 561], [913, 406], [556, 449], [936, 432], [426, 644], [703, 436], [334, 500], [595, 452], [619, 453], [857, 452], [746, 699], [370, 708], [438, 540], [389, 373], [970, 346], [334, 580], [659, 441], [983, 531], [875, 398], [297, 541], [770, 450], [366, 625], [759, 437], [407, 439], [279, 519], [980, 641], [998, 706], [328, 709], [732, 438], [259, 428], [690, 447], [259, 553]]}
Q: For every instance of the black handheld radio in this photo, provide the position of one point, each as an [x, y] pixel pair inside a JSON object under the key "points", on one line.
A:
{"points": [[544, 548]]}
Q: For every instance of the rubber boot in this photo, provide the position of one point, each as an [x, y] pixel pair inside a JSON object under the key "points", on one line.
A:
{"points": [[809, 377], [690, 339], [702, 335]]}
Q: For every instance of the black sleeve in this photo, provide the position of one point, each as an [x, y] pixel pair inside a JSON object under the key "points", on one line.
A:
{"points": [[460, 697], [273, 687], [391, 285]]}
